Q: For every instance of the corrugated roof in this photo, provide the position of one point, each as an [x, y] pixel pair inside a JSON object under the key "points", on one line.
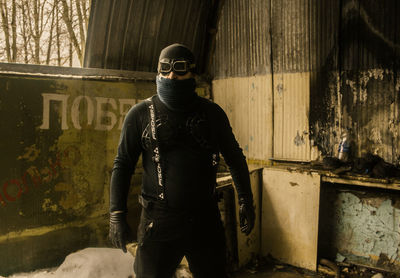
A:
{"points": [[129, 34]]}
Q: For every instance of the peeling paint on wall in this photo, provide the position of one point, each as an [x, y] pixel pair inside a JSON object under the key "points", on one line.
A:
{"points": [[65, 139], [57, 154], [368, 231], [356, 88], [362, 225], [366, 105], [299, 140]]}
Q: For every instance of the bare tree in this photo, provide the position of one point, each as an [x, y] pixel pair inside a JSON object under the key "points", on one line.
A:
{"points": [[68, 22], [49, 32], [85, 12], [14, 31], [50, 41], [71, 50], [24, 31], [58, 35], [80, 20], [6, 28], [40, 20]]}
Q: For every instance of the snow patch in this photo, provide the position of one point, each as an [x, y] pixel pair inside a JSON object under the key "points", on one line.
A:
{"points": [[89, 263]]}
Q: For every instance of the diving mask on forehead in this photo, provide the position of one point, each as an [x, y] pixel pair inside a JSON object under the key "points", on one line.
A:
{"points": [[178, 66]]}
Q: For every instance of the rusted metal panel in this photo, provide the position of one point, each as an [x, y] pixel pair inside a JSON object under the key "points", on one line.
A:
{"points": [[324, 25], [290, 215], [59, 139], [360, 94], [376, 42], [290, 35], [243, 40], [129, 35], [248, 105], [365, 104], [75, 73]]}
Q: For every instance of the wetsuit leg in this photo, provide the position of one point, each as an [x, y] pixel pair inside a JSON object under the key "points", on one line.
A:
{"points": [[157, 260], [205, 250], [159, 251]]}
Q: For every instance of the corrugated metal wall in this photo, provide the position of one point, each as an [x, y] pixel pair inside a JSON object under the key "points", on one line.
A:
{"points": [[241, 67], [331, 52], [334, 67], [291, 110], [290, 35], [361, 95], [246, 104], [256, 38], [243, 40], [129, 34]]}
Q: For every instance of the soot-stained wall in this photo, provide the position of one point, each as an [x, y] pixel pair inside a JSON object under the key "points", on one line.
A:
{"points": [[356, 87], [341, 56]]}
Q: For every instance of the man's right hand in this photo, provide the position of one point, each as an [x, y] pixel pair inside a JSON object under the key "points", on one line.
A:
{"points": [[120, 233], [247, 215]]}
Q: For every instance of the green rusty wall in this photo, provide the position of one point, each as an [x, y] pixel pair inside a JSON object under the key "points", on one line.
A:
{"points": [[59, 136]]}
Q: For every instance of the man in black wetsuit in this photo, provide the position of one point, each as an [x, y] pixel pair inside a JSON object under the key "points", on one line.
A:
{"points": [[180, 136]]}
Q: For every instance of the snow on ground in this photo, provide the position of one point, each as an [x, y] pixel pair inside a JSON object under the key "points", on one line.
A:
{"points": [[89, 263], [95, 262]]}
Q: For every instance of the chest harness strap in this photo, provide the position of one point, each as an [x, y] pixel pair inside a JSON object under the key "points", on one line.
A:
{"points": [[156, 149]]}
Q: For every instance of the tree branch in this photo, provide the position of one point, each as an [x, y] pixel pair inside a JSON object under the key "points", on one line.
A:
{"points": [[6, 29], [68, 22], [51, 36]]}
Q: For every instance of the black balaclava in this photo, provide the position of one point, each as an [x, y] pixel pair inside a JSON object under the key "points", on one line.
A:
{"points": [[177, 95]]}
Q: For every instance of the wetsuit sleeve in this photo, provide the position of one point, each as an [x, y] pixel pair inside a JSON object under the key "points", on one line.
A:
{"points": [[233, 156], [129, 150]]}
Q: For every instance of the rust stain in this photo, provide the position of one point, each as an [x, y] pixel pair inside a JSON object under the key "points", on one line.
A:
{"points": [[294, 183], [375, 202], [72, 198], [31, 153], [48, 205], [396, 203]]}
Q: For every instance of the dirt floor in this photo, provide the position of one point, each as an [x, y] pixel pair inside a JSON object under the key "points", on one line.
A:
{"points": [[110, 262], [273, 269], [284, 273], [276, 270]]}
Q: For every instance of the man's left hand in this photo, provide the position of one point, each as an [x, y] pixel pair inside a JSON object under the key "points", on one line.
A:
{"points": [[246, 215], [120, 233]]}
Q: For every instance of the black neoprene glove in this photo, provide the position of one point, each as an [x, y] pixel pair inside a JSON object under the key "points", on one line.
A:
{"points": [[246, 215], [120, 233]]}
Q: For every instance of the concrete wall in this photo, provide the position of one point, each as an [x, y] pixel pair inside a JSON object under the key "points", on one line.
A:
{"points": [[59, 138]]}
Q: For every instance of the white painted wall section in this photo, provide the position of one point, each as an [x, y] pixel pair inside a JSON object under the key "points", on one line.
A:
{"points": [[290, 213]]}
